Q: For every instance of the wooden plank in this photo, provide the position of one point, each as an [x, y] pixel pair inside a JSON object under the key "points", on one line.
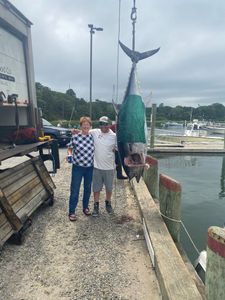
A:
{"points": [[5, 232], [21, 197], [21, 182], [33, 204], [24, 192], [11, 175], [23, 201], [174, 279], [12, 188], [9, 212], [24, 207], [24, 188], [43, 179], [21, 150], [39, 196], [15, 175], [16, 168]]}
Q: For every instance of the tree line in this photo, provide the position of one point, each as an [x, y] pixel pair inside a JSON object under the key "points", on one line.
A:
{"points": [[65, 106]]}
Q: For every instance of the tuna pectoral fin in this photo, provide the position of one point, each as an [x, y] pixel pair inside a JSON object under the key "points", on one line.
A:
{"points": [[135, 55]]}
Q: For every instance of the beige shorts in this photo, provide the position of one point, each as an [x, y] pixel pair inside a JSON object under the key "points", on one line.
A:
{"points": [[101, 177]]}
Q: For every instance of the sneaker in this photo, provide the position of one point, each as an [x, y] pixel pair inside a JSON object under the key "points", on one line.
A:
{"points": [[108, 207], [95, 212]]}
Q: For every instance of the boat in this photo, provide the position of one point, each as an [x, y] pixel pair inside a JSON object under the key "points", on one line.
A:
{"points": [[196, 129], [215, 129], [172, 124], [200, 265]]}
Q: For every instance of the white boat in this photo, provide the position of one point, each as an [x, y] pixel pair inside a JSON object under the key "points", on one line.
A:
{"points": [[172, 124], [200, 265], [214, 129], [196, 129]]}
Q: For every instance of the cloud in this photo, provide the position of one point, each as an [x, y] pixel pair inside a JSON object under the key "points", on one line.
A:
{"points": [[187, 70]]}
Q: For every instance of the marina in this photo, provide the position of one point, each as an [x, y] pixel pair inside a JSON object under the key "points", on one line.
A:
{"points": [[154, 226]]}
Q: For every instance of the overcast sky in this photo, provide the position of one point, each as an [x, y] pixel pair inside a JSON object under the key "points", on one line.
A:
{"points": [[189, 69]]}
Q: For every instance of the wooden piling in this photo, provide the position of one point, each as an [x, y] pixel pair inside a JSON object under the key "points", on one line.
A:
{"points": [[150, 176], [224, 140], [170, 204], [215, 267]]}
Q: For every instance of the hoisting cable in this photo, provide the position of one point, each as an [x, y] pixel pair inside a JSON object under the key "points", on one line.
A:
{"points": [[116, 97], [118, 48]]}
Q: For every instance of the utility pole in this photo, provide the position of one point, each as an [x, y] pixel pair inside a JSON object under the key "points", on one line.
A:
{"points": [[92, 31]]}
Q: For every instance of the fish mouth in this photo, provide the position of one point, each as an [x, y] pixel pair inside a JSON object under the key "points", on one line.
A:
{"points": [[134, 160]]}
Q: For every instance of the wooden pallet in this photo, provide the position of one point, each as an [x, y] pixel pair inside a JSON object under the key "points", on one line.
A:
{"points": [[22, 190]]}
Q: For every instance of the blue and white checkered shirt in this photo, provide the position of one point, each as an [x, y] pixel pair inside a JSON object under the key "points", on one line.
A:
{"points": [[83, 149]]}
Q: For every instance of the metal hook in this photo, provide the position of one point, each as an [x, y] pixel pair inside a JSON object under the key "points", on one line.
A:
{"points": [[133, 14]]}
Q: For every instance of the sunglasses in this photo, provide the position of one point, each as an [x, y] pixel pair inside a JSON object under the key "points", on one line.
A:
{"points": [[103, 124]]}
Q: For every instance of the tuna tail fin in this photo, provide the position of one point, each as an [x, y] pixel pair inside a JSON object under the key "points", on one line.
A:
{"points": [[135, 55]]}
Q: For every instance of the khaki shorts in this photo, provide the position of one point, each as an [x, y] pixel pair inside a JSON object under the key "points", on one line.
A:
{"points": [[101, 177]]}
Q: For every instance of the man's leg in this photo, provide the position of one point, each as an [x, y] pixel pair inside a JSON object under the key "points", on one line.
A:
{"points": [[95, 212], [97, 186], [108, 179], [96, 196], [108, 195]]}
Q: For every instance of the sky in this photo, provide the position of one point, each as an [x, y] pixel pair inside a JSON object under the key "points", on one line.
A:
{"points": [[189, 69]]}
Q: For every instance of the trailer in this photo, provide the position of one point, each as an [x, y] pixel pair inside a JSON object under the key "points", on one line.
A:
{"points": [[23, 186]]}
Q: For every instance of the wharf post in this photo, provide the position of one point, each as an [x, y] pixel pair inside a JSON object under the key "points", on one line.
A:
{"points": [[170, 204], [215, 267], [150, 176], [224, 140]]}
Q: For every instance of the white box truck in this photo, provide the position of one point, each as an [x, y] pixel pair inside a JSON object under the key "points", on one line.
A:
{"points": [[24, 186]]}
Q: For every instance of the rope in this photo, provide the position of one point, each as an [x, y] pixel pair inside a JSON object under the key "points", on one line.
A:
{"points": [[171, 219], [193, 244], [185, 229]]}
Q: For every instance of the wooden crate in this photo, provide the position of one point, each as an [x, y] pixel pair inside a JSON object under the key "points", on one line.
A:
{"points": [[22, 189]]}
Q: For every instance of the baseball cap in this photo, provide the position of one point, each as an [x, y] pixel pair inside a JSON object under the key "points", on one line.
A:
{"points": [[104, 119]]}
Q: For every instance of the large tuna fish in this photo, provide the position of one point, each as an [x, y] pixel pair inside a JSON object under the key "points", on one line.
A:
{"points": [[131, 122]]}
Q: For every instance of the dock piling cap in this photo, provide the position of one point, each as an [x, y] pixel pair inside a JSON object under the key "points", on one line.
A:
{"points": [[216, 240]]}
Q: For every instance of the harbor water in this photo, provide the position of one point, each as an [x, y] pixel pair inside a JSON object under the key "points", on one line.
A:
{"points": [[203, 194]]}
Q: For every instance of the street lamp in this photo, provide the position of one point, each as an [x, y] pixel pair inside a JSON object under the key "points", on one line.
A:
{"points": [[92, 31]]}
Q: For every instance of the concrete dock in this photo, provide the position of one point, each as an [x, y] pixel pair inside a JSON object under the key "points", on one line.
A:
{"points": [[191, 145]]}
